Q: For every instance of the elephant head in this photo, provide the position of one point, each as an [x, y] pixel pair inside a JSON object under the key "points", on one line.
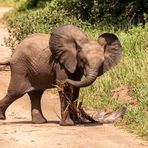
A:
{"points": [[73, 49]]}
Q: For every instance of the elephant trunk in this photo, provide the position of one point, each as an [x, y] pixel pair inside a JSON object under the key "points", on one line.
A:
{"points": [[88, 80]]}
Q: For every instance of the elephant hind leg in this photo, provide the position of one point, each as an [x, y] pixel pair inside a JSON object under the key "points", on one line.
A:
{"points": [[17, 88], [5, 102], [36, 111]]}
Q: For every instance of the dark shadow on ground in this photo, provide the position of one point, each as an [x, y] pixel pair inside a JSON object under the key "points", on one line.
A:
{"points": [[49, 122], [27, 122]]}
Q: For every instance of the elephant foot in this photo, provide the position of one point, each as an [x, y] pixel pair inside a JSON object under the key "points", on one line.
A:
{"points": [[2, 115], [67, 122], [37, 118], [74, 117]]}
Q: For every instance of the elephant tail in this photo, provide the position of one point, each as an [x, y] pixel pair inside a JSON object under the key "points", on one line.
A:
{"points": [[5, 63]]}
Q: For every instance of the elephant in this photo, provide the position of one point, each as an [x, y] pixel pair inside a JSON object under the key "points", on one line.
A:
{"points": [[42, 60]]}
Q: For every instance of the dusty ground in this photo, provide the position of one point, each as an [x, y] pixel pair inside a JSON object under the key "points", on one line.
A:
{"points": [[17, 131]]}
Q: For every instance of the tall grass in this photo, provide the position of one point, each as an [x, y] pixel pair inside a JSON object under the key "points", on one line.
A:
{"points": [[132, 71]]}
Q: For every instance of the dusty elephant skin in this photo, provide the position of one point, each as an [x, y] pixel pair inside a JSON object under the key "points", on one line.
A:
{"points": [[40, 61]]}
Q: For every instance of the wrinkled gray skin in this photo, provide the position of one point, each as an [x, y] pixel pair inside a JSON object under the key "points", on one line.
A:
{"points": [[39, 61]]}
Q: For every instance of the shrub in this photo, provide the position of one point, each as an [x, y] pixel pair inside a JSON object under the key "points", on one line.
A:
{"points": [[111, 12], [38, 20]]}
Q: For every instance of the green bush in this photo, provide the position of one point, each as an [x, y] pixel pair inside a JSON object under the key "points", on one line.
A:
{"points": [[38, 20], [108, 11], [48, 15]]}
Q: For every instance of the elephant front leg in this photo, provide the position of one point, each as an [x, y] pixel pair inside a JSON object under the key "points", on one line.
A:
{"points": [[65, 112], [36, 112], [75, 96]]}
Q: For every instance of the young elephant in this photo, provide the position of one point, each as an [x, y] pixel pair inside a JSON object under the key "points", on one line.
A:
{"points": [[40, 61]]}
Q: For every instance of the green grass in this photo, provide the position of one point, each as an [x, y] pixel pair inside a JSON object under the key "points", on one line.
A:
{"points": [[132, 70]]}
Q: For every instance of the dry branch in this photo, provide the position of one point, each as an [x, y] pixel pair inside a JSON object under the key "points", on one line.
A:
{"points": [[79, 113]]}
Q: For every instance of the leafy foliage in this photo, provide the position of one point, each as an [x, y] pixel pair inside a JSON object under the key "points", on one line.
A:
{"points": [[108, 11], [94, 14], [38, 20]]}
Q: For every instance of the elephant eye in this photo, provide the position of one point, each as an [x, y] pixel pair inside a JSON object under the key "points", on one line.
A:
{"points": [[84, 61]]}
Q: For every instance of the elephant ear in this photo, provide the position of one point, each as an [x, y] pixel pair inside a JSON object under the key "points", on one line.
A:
{"points": [[63, 44], [112, 50]]}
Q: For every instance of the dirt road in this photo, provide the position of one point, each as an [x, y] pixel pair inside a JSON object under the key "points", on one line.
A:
{"points": [[18, 131]]}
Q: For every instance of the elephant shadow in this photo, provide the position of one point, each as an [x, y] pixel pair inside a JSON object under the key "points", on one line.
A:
{"points": [[49, 122], [28, 122]]}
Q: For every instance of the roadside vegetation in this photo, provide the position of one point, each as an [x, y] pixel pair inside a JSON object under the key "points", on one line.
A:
{"points": [[127, 84], [7, 2]]}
